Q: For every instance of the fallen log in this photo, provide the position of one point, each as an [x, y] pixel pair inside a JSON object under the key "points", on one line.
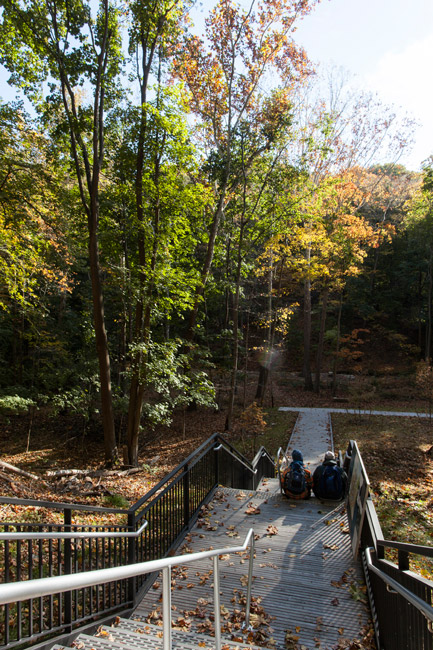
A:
{"points": [[5, 477], [19, 471], [66, 472]]}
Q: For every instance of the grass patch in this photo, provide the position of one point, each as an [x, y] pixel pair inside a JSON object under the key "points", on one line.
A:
{"points": [[401, 474], [116, 501]]}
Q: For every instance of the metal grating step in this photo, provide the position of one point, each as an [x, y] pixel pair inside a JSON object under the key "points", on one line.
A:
{"points": [[138, 635], [137, 627]]}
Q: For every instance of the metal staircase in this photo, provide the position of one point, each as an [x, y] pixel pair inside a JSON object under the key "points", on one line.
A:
{"points": [[66, 579], [136, 635]]}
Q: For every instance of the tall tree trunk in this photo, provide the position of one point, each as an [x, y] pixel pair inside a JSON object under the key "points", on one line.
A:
{"points": [[207, 263], [319, 355], [306, 370], [420, 305], [265, 363], [144, 307], [337, 347], [235, 316], [102, 347], [88, 161], [247, 334]]}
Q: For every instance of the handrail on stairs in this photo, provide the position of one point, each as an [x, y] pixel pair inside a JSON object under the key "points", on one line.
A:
{"points": [[40, 587], [9, 536], [394, 586], [280, 452], [228, 451]]}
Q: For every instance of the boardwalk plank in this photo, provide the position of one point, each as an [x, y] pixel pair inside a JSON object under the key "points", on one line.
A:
{"points": [[294, 570]]}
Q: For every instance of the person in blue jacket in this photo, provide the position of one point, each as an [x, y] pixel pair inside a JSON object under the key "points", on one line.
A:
{"points": [[296, 481], [329, 479]]}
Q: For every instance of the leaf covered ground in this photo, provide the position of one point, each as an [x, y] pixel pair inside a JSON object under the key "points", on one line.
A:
{"points": [[46, 444], [397, 455]]}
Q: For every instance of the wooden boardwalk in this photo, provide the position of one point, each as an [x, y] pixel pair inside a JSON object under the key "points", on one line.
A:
{"points": [[308, 591]]}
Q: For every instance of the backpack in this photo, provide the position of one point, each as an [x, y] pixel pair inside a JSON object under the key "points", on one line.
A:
{"points": [[294, 480], [331, 483]]}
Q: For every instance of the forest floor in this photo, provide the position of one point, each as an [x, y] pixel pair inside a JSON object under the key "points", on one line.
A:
{"points": [[396, 451]]}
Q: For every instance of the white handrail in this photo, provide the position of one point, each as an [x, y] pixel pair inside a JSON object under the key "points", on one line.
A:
{"points": [[10, 537], [19, 591]]}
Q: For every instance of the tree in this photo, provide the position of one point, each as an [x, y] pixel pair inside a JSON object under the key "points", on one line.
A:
{"points": [[153, 30], [64, 45], [340, 129], [419, 221], [35, 263], [252, 220], [224, 76]]}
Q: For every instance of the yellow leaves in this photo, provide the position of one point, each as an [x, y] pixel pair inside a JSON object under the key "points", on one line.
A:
{"points": [[105, 634]]}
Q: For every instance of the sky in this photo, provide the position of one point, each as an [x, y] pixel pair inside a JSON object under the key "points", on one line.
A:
{"points": [[388, 46]]}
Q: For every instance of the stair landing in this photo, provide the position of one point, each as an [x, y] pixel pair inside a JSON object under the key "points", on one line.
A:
{"points": [[308, 592]]}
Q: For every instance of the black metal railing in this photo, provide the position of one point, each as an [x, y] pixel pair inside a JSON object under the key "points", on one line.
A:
{"points": [[170, 509], [399, 623]]}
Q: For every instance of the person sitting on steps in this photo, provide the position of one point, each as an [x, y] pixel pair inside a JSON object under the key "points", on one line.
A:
{"points": [[296, 481], [329, 480]]}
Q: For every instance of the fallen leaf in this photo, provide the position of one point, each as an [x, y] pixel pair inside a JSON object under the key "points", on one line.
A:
{"points": [[332, 547], [272, 530]]}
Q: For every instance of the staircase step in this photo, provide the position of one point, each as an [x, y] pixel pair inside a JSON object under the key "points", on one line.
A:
{"points": [[190, 638], [113, 639], [139, 635]]}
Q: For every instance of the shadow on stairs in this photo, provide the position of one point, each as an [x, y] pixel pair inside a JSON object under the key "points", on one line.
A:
{"points": [[308, 592]]}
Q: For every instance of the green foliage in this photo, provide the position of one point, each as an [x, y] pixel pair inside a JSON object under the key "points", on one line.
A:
{"points": [[167, 372], [149, 469], [116, 501], [78, 400], [205, 213], [15, 404]]}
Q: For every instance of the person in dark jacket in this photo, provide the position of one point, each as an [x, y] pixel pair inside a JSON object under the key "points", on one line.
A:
{"points": [[329, 480], [296, 480]]}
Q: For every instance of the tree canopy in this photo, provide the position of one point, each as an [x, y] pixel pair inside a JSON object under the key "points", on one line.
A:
{"points": [[177, 206]]}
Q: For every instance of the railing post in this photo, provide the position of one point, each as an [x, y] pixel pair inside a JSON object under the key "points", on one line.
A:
{"points": [[216, 598], [403, 560], [166, 607], [132, 557], [67, 569], [250, 580], [217, 465], [186, 513]]}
